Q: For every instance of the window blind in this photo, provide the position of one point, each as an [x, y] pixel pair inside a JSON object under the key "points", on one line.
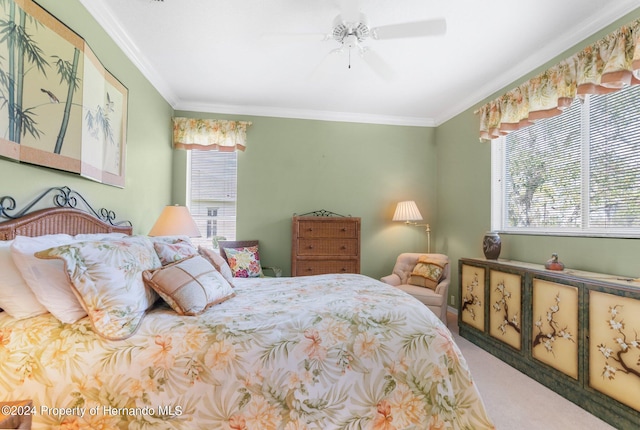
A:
{"points": [[576, 173], [543, 179], [614, 186], [213, 194]]}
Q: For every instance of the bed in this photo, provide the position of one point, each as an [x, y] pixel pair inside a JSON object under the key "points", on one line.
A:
{"points": [[316, 352]]}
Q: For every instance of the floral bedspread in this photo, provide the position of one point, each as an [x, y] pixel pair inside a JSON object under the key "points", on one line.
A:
{"points": [[317, 352]]}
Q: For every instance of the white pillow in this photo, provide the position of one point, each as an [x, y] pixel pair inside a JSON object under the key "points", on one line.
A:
{"points": [[16, 298], [98, 236], [47, 278]]}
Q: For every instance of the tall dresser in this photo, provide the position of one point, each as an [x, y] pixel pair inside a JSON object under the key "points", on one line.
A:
{"points": [[325, 244]]}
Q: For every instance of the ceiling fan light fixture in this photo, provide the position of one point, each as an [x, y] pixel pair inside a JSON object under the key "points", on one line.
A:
{"points": [[343, 29]]}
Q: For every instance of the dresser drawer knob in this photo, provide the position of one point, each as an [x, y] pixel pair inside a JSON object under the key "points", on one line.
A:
{"points": [[343, 270], [310, 246], [344, 228], [344, 247]]}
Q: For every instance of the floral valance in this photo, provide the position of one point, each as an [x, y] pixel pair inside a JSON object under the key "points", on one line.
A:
{"points": [[209, 134], [607, 65]]}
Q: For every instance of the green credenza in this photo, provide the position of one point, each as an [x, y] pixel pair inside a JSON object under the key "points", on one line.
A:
{"points": [[576, 332]]}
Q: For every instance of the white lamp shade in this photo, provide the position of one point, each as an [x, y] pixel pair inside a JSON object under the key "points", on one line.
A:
{"points": [[175, 221], [407, 211]]}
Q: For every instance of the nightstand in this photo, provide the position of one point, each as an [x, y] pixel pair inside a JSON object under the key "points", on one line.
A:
{"points": [[16, 415]]}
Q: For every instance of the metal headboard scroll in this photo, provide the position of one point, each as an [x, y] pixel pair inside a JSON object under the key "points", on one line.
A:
{"points": [[63, 197], [322, 212]]}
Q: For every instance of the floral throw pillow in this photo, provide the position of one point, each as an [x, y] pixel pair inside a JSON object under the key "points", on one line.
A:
{"points": [[427, 273], [172, 252], [107, 278], [244, 262]]}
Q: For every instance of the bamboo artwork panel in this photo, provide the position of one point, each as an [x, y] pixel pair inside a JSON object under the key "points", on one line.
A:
{"points": [[62, 109]]}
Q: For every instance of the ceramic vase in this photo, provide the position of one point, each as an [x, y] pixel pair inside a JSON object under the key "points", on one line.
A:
{"points": [[491, 245]]}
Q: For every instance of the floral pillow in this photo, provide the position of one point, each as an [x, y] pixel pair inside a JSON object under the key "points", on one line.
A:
{"points": [[427, 273], [244, 262], [190, 285], [106, 276], [172, 252]]}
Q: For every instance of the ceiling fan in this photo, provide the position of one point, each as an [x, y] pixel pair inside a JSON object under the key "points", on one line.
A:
{"points": [[351, 30]]}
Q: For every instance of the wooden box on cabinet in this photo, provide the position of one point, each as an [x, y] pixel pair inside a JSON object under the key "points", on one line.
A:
{"points": [[322, 244]]}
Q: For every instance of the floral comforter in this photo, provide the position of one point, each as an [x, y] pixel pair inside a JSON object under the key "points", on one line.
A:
{"points": [[317, 352]]}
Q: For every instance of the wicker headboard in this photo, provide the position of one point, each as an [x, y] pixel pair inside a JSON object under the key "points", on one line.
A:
{"points": [[64, 218]]}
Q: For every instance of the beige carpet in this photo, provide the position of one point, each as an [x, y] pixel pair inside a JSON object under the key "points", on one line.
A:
{"points": [[516, 402]]}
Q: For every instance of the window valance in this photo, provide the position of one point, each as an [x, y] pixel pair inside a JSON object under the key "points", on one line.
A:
{"points": [[605, 66], [209, 134]]}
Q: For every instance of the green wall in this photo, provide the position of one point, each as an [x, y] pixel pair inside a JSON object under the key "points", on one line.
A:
{"points": [[464, 193], [298, 166], [149, 154]]}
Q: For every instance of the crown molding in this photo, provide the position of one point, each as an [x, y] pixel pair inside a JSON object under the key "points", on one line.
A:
{"points": [[270, 111], [108, 22]]}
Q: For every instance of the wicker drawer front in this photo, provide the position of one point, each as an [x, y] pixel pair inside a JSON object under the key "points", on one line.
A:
{"points": [[325, 244], [340, 247], [312, 229], [320, 267]]}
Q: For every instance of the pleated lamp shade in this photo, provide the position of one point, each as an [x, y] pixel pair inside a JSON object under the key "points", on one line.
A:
{"points": [[407, 211], [175, 221]]}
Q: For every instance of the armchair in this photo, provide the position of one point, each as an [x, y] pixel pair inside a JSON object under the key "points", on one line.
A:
{"points": [[435, 299]]}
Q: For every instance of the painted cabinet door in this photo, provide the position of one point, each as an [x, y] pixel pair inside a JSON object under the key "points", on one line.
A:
{"points": [[505, 310], [472, 296], [554, 333], [614, 347]]}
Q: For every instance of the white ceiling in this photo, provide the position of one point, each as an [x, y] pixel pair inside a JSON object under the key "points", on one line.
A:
{"points": [[213, 56]]}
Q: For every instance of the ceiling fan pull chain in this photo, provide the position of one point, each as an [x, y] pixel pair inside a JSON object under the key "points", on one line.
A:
{"points": [[349, 58]]}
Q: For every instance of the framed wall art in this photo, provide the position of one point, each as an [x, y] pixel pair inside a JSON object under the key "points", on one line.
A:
{"points": [[62, 109]]}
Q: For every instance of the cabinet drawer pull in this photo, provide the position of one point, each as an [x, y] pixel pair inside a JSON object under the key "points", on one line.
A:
{"points": [[344, 228], [344, 247], [310, 246]]}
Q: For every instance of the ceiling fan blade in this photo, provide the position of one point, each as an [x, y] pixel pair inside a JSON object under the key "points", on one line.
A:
{"points": [[328, 64], [350, 10], [431, 27], [310, 37], [377, 64]]}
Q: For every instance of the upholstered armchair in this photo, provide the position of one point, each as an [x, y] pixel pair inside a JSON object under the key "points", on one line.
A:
{"points": [[434, 296]]}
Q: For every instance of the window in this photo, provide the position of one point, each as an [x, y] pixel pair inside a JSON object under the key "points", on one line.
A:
{"points": [[212, 192], [574, 174]]}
